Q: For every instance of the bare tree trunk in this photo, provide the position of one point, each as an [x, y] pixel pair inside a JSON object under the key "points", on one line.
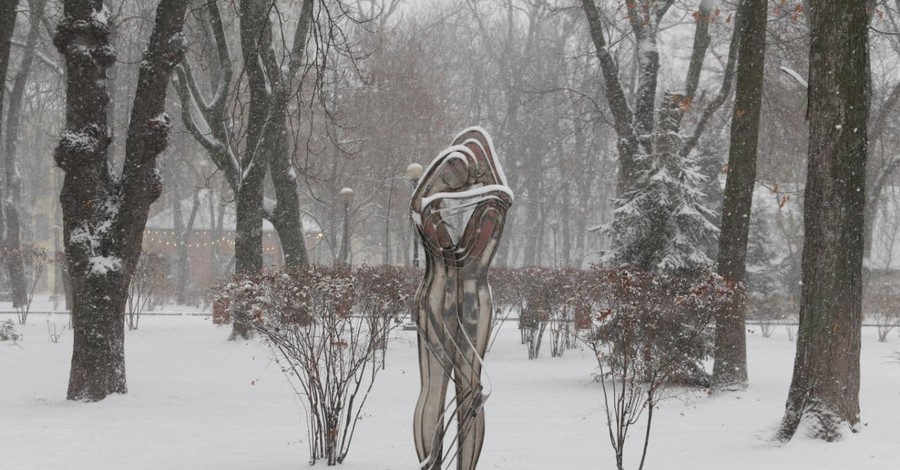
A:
{"points": [[825, 385], [267, 145], [104, 216], [627, 143], [13, 188], [583, 189], [286, 215], [249, 210], [180, 240], [566, 215], [7, 25], [532, 219], [256, 33], [730, 367], [183, 232], [13, 200]]}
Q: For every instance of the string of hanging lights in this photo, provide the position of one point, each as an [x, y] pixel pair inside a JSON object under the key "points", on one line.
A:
{"points": [[167, 238]]}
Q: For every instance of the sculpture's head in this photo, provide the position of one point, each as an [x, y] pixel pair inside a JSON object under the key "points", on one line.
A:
{"points": [[461, 201]]}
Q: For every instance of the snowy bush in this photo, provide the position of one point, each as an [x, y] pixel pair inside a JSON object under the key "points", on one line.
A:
{"points": [[545, 299], [8, 331], [651, 332], [562, 293], [36, 261], [558, 300], [666, 320], [506, 295], [325, 327], [54, 331], [386, 293], [536, 308], [768, 311], [33, 262], [883, 309], [148, 288]]}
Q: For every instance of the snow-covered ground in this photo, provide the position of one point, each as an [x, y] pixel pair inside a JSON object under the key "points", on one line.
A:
{"points": [[199, 401]]}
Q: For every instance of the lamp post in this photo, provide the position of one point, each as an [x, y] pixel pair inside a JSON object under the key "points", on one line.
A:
{"points": [[344, 255], [414, 172]]}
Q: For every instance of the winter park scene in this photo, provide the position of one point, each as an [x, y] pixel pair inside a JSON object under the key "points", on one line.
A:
{"points": [[450, 234]]}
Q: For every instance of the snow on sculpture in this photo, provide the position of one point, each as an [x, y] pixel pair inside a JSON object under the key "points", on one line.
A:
{"points": [[458, 209]]}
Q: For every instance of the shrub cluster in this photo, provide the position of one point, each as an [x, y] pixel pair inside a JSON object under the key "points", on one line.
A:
{"points": [[8, 331], [150, 287], [544, 298], [598, 303], [650, 331], [661, 326], [33, 261], [882, 307], [326, 327]]}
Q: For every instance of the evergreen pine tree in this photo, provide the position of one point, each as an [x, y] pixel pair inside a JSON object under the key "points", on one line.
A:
{"points": [[662, 224]]}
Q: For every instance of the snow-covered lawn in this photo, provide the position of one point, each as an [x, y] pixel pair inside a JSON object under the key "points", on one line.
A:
{"points": [[197, 401]]}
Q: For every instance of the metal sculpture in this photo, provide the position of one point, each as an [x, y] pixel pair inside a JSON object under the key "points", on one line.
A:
{"points": [[458, 209]]}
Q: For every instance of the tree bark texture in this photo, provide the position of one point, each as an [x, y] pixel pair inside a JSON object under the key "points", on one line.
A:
{"points": [[730, 367], [104, 214], [824, 390]]}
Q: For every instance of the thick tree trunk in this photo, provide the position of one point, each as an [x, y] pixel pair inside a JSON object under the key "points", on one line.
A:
{"points": [[248, 229], [104, 216], [730, 367], [286, 216], [825, 386], [98, 355], [248, 237], [98, 291], [254, 161]]}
